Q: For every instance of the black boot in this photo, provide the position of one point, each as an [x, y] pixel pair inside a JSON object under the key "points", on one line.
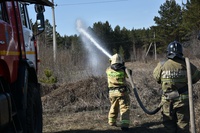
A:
{"points": [[125, 129]]}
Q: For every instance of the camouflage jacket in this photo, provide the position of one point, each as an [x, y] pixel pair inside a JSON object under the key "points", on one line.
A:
{"points": [[172, 74]]}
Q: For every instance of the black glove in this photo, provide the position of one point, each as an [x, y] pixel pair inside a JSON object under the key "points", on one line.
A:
{"points": [[130, 72]]}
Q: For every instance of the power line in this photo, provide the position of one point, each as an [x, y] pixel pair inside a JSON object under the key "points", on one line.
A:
{"points": [[73, 4]]}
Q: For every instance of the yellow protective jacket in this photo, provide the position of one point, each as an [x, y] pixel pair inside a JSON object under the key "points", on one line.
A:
{"points": [[116, 78], [172, 74]]}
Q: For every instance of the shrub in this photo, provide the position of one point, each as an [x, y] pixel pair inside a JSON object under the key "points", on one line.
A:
{"points": [[49, 78]]}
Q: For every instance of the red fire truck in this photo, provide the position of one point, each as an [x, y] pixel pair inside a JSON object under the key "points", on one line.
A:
{"points": [[20, 101]]}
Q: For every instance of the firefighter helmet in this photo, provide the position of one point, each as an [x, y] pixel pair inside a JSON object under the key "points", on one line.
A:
{"points": [[116, 58], [174, 49]]}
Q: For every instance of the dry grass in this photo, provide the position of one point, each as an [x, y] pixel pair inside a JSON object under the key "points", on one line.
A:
{"points": [[79, 101]]}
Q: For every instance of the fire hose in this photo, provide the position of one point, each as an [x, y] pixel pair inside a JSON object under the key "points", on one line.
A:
{"points": [[142, 106], [191, 105], [190, 92], [138, 98]]}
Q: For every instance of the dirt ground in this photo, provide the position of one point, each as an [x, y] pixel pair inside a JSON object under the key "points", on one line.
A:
{"points": [[82, 107], [64, 114]]}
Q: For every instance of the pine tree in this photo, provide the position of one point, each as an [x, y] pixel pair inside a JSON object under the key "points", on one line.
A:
{"points": [[191, 16], [169, 22]]}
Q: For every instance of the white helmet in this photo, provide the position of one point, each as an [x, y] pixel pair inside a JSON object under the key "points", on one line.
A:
{"points": [[116, 58]]}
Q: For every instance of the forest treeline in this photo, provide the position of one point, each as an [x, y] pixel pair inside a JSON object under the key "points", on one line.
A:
{"points": [[175, 22]]}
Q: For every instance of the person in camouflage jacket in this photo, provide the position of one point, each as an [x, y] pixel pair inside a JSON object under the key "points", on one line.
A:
{"points": [[172, 75]]}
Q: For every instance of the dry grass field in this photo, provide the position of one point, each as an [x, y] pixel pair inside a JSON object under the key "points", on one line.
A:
{"points": [[82, 106]]}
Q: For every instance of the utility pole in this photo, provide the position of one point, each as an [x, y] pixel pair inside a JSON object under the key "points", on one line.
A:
{"points": [[54, 34], [155, 46], [134, 51]]}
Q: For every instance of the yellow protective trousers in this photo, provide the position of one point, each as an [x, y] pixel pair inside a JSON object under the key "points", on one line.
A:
{"points": [[119, 104]]}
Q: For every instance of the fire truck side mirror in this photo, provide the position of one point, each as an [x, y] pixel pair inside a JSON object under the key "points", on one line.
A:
{"points": [[40, 22], [39, 8]]}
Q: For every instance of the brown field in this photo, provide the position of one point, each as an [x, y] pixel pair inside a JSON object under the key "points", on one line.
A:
{"points": [[82, 106]]}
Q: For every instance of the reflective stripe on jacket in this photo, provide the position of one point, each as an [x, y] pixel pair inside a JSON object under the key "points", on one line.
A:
{"points": [[115, 78], [172, 74]]}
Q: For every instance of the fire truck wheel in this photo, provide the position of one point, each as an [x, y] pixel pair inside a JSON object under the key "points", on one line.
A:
{"points": [[34, 110]]}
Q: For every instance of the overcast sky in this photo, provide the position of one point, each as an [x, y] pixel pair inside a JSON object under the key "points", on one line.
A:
{"points": [[125, 13]]}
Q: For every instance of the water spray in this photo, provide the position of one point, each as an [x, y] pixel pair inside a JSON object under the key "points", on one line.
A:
{"points": [[83, 32]]}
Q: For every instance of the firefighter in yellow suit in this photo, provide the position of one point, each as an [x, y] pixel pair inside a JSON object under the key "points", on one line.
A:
{"points": [[118, 93], [172, 75]]}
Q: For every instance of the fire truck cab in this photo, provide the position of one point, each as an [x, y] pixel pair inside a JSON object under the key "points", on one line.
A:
{"points": [[20, 101]]}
